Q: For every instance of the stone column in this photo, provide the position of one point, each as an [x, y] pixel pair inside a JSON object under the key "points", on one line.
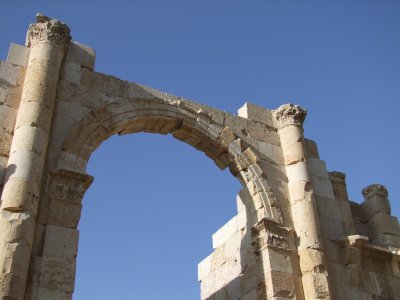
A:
{"points": [[313, 266], [383, 229], [338, 180], [48, 40]]}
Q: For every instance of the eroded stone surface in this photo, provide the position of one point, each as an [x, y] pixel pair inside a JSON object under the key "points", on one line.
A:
{"points": [[296, 234]]}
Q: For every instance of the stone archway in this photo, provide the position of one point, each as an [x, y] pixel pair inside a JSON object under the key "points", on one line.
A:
{"points": [[86, 108], [282, 244]]}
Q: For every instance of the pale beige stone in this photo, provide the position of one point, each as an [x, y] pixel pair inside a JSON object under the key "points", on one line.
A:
{"points": [[28, 138], [25, 164], [9, 73], [60, 242], [72, 72], [13, 97], [18, 55], [311, 148], [257, 114], [383, 224], [7, 118], [224, 233], [293, 153], [82, 55], [271, 152], [55, 273], [38, 293], [322, 187], [332, 222], [297, 172], [317, 167], [295, 226]]}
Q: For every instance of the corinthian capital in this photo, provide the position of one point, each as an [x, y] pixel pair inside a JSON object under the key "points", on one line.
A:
{"points": [[48, 30], [337, 177], [375, 190], [290, 114]]}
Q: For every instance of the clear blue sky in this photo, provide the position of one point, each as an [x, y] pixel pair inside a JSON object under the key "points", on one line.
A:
{"points": [[149, 215]]}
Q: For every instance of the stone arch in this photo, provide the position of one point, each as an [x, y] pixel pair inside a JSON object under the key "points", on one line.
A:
{"points": [[206, 131], [201, 129]]}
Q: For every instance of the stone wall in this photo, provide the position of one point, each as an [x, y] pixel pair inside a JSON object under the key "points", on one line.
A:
{"points": [[296, 234]]}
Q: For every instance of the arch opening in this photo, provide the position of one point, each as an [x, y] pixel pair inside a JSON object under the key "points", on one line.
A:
{"points": [[205, 131], [159, 200]]}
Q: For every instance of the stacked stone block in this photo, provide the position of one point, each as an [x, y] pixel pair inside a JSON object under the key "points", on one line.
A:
{"points": [[296, 234]]}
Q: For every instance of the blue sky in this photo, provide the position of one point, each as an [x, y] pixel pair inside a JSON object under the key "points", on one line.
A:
{"points": [[149, 215]]}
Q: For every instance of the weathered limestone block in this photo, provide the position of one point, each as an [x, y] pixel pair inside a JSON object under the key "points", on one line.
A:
{"points": [[293, 152], [54, 273], [10, 96], [338, 180], [66, 189], [257, 114], [225, 232], [271, 152], [71, 71], [271, 243], [18, 55], [331, 218], [219, 273], [295, 224], [382, 223], [28, 138], [376, 201], [82, 55], [316, 286], [273, 171], [262, 133], [322, 187], [7, 118], [9, 73], [20, 195], [60, 242], [311, 148], [10, 286], [37, 293]]}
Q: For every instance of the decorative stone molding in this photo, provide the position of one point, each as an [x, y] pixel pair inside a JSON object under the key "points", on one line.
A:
{"points": [[337, 177], [368, 249], [69, 186], [267, 233], [375, 190], [66, 190], [48, 30], [290, 114]]}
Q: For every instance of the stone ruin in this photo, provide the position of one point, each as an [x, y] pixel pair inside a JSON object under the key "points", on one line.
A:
{"points": [[296, 234]]}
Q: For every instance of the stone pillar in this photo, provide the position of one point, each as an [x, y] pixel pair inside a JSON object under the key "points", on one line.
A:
{"points": [[48, 40], [313, 266], [271, 242], [383, 228], [338, 180]]}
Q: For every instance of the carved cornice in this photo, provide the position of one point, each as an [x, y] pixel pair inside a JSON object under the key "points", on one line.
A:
{"points": [[290, 114], [268, 233], [48, 30], [368, 249], [375, 190], [68, 185], [337, 177]]}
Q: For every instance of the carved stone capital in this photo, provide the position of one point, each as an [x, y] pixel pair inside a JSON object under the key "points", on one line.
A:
{"points": [[290, 114], [68, 185], [375, 190], [268, 233], [48, 30], [337, 177]]}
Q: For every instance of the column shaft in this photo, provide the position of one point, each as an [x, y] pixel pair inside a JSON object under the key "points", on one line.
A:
{"points": [[303, 206], [47, 39]]}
